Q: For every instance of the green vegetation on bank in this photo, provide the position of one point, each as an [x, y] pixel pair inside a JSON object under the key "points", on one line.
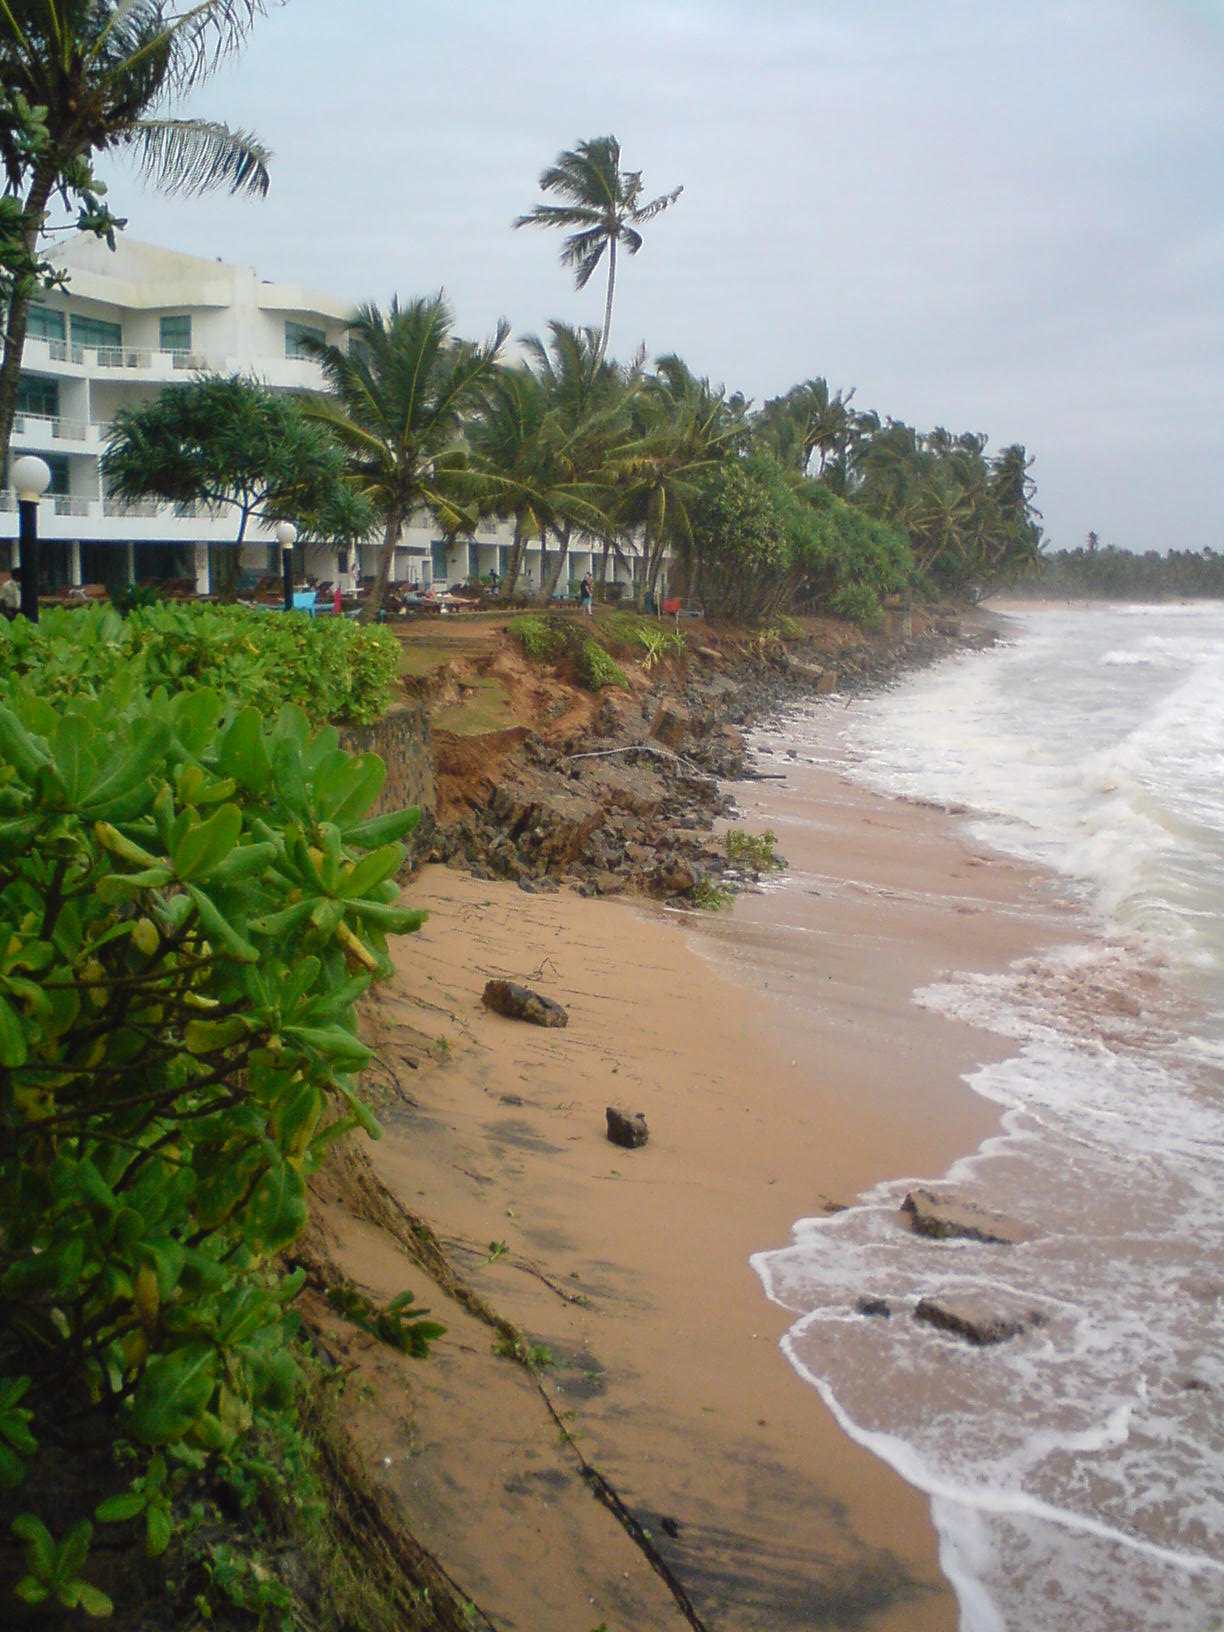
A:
{"points": [[330, 668], [192, 901], [562, 640]]}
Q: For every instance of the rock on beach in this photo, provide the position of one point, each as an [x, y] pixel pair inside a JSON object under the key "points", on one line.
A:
{"points": [[521, 1003], [627, 1128], [949, 1217], [977, 1319]]}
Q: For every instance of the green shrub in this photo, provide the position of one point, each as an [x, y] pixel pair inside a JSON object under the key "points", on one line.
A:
{"points": [[753, 850], [190, 906], [858, 603], [711, 897], [536, 635], [595, 669], [331, 668]]}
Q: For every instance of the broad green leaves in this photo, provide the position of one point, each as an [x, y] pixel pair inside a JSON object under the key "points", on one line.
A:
{"points": [[191, 905], [333, 669]]}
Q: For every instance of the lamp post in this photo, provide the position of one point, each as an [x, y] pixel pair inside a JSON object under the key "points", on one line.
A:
{"points": [[286, 535], [31, 478]]}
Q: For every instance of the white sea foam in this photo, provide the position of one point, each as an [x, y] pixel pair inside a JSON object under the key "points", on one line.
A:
{"points": [[1077, 1471]]}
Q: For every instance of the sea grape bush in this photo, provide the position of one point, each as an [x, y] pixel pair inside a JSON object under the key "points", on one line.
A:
{"points": [[331, 668], [191, 903]]}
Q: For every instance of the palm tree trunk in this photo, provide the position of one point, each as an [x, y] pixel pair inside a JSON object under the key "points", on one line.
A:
{"points": [[653, 538], [543, 556], [18, 311], [516, 561], [386, 556], [554, 576], [607, 328]]}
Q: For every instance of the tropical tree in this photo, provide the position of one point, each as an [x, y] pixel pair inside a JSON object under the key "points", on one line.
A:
{"points": [[86, 78], [396, 404], [684, 428], [535, 454], [809, 420], [228, 441], [602, 211], [587, 421]]}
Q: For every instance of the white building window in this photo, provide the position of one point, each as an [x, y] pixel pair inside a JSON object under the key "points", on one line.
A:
{"points": [[296, 336], [44, 324], [96, 331], [174, 333]]}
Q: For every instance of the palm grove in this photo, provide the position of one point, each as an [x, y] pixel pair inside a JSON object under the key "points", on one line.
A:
{"points": [[805, 504]]}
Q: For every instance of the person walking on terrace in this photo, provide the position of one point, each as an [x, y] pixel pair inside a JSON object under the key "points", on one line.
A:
{"points": [[587, 594]]}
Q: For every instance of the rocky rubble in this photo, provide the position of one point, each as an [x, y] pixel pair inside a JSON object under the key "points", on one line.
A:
{"points": [[628, 806]]}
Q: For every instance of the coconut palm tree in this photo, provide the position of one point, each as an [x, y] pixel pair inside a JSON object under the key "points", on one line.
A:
{"points": [[100, 77], [396, 404], [588, 402], [683, 428], [602, 210], [530, 463], [809, 420]]}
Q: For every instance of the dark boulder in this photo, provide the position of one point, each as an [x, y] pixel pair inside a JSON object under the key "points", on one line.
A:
{"points": [[521, 1003], [627, 1128], [878, 1307]]}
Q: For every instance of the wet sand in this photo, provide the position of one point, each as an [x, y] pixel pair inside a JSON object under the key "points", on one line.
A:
{"points": [[782, 1068]]}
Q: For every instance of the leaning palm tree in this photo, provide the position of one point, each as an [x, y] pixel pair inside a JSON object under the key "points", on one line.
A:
{"points": [[602, 210], [98, 77], [809, 420], [396, 403]]}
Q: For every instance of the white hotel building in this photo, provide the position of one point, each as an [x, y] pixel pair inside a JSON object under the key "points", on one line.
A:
{"points": [[131, 322]]}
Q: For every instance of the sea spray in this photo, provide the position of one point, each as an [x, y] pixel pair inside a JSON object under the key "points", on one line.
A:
{"points": [[1076, 1472]]}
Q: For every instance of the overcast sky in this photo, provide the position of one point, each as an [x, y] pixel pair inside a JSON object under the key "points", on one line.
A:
{"points": [[998, 217]]}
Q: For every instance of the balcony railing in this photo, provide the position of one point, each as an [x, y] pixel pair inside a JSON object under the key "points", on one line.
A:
{"points": [[61, 352], [51, 427], [133, 509], [62, 504], [123, 356]]}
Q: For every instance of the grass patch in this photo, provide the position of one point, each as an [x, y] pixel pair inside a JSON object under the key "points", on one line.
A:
{"points": [[487, 709], [558, 639], [422, 657]]}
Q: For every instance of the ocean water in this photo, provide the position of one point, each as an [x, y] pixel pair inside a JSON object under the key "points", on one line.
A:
{"points": [[1076, 1473]]}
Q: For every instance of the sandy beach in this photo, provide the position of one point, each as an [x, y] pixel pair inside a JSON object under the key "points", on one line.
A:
{"points": [[782, 1067]]}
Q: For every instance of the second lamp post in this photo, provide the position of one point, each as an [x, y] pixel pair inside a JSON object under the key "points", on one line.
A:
{"points": [[286, 536]]}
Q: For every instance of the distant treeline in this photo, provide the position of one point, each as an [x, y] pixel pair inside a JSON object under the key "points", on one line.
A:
{"points": [[1115, 574]]}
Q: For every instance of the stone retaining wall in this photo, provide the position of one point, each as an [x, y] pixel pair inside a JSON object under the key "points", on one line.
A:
{"points": [[403, 742]]}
